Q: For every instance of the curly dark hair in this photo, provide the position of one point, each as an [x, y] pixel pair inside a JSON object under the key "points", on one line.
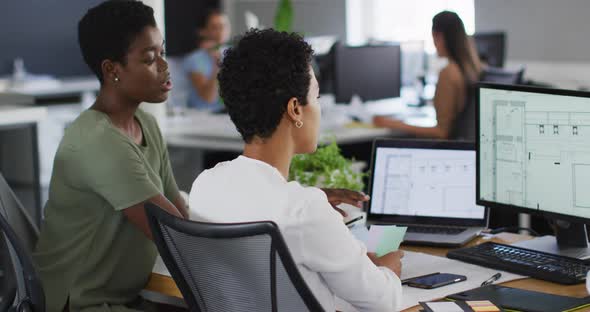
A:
{"points": [[107, 30], [258, 76]]}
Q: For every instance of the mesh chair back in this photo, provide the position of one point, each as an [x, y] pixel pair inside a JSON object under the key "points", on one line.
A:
{"points": [[230, 267], [502, 76], [30, 296], [13, 284], [18, 218], [7, 275]]}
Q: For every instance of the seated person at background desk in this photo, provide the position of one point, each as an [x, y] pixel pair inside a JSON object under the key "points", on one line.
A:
{"points": [[453, 99], [202, 65], [94, 251], [271, 93]]}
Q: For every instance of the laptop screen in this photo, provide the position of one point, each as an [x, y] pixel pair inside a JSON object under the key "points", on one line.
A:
{"points": [[424, 182]]}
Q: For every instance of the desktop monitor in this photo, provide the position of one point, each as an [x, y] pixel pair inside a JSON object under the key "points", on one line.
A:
{"points": [[491, 48], [44, 34], [533, 147], [372, 72]]}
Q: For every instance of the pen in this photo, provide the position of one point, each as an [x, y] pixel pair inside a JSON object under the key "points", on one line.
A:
{"points": [[492, 279], [405, 281], [353, 220]]}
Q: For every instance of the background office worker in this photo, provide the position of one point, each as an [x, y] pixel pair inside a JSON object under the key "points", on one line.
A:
{"points": [[453, 99], [270, 92], [94, 252], [202, 65]]}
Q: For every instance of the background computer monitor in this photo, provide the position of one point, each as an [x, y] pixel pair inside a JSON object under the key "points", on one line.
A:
{"points": [[371, 72], [491, 47], [45, 35], [533, 150]]}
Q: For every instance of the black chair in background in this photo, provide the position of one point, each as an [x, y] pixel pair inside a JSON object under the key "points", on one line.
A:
{"points": [[503, 76], [464, 127], [230, 267]]}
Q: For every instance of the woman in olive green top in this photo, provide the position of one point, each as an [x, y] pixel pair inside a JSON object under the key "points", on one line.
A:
{"points": [[94, 252]]}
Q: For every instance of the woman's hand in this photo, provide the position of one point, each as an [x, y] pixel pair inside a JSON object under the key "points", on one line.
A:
{"points": [[392, 261], [339, 196], [385, 122]]}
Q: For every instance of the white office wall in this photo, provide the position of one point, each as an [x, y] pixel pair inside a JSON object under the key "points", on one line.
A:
{"points": [[158, 6], [158, 110], [547, 36], [310, 17]]}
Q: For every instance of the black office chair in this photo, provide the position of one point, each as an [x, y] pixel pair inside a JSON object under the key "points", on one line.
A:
{"points": [[7, 276], [464, 128], [503, 76], [230, 267], [18, 217], [20, 289], [29, 292]]}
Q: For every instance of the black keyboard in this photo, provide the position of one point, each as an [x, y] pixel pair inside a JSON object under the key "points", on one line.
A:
{"points": [[436, 230], [536, 264]]}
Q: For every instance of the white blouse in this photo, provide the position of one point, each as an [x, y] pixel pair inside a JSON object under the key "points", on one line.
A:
{"points": [[330, 259]]}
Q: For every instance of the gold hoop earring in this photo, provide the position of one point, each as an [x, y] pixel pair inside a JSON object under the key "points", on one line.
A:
{"points": [[299, 124]]}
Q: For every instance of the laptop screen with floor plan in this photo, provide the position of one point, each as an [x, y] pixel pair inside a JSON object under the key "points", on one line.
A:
{"points": [[424, 181]]}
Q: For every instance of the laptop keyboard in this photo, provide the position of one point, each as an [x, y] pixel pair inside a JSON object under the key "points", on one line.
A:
{"points": [[436, 230]]}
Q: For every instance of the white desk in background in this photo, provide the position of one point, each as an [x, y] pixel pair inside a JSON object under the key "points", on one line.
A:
{"points": [[51, 88], [216, 132], [15, 118]]}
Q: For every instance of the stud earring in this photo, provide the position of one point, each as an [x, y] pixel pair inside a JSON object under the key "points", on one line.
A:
{"points": [[116, 79], [299, 124]]}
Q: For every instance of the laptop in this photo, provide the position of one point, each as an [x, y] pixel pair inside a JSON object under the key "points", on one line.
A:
{"points": [[428, 186]]}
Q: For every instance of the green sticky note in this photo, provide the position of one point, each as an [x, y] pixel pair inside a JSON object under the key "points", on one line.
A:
{"points": [[391, 237]]}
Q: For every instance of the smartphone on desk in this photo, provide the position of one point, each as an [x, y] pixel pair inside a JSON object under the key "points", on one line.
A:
{"points": [[435, 280]]}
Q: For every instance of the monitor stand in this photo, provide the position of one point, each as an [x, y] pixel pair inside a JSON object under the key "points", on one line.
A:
{"points": [[571, 240]]}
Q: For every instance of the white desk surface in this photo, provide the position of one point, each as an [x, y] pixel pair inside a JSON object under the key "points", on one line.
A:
{"points": [[52, 87], [217, 132], [14, 115]]}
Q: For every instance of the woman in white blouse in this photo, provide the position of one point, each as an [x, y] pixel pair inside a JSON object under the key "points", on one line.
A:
{"points": [[270, 92]]}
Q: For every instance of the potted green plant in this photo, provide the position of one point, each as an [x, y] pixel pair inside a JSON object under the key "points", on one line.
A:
{"points": [[284, 16], [327, 168]]}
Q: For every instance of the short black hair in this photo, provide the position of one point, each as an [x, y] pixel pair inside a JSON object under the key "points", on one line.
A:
{"points": [[107, 30], [204, 18], [258, 76]]}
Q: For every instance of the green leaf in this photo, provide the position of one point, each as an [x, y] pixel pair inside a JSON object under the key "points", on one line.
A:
{"points": [[284, 16], [326, 168]]}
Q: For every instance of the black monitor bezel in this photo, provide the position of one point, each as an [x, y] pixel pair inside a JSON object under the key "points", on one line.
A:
{"points": [[420, 144], [507, 207]]}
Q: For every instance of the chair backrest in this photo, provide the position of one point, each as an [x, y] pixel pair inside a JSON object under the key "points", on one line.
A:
{"points": [[464, 127], [230, 267], [503, 76], [18, 218], [8, 282], [30, 295]]}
